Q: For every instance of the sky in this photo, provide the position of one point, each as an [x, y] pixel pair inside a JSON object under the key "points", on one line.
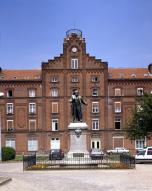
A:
{"points": [[116, 31]]}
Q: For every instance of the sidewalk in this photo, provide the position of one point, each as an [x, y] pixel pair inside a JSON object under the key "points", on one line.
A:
{"points": [[4, 180]]}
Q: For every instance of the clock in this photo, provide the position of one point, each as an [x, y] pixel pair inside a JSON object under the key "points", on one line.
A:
{"points": [[74, 49]]}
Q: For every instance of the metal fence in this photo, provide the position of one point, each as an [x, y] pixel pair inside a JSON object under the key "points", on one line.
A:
{"points": [[128, 160], [74, 162], [29, 160]]}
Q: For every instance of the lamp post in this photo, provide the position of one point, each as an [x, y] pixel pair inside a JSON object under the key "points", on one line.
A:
{"points": [[1, 95]]}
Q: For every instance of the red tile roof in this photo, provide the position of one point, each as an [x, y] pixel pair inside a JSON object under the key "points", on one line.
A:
{"points": [[114, 73], [128, 73], [20, 74]]}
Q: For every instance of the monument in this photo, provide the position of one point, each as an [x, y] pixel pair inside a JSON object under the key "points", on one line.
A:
{"points": [[77, 128]]}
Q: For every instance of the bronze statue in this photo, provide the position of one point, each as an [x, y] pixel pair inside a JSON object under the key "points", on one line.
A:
{"points": [[76, 106]]}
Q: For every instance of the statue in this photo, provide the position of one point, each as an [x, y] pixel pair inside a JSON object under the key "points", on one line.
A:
{"points": [[76, 106]]}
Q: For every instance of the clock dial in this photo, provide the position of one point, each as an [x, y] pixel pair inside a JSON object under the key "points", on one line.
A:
{"points": [[74, 49]]}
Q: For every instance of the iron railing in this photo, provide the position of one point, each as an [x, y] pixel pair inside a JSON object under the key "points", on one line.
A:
{"points": [[78, 162]]}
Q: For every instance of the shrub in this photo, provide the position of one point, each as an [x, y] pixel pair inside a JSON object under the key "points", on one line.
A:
{"points": [[8, 153]]}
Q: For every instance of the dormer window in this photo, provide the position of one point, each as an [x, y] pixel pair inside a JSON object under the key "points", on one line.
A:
{"points": [[140, 91], [74, 63], [133, 75]]}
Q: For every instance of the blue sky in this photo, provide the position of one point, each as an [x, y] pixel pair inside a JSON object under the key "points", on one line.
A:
{"points": [[117, 31]]}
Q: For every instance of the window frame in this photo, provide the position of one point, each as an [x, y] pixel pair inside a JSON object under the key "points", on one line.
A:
{"points": [[118, 90], [55, 124], [31, 93], [95, 79], [35, 146], [117, 109], [7, 94], [74, 63], [57, 105], [95, 109], [32, 120], [12, 126], [54, 92], [10, 142], [141, 144], [32, 108], [95, 93], [55, 79], [140, 93], [10, 110], [95, 124], [116, 121]]}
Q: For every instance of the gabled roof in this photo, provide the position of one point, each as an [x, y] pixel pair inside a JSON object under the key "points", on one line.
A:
{"points": [[129, 73], [20, 75]]}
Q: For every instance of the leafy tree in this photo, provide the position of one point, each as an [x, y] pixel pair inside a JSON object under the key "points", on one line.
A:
{"points": [[140, 125]]}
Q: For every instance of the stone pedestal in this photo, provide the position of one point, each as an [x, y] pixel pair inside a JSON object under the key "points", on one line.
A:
{"points": [[78, 142]]}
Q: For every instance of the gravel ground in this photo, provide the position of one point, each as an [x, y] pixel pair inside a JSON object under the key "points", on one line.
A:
{"points": [[76, 180]]}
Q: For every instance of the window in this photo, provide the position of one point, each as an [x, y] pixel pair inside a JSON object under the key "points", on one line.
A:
{"points": [[10, 143], [55, 79], [9, 108], [10, 93], [95, 79], [140, 91], [55, 125], [117, 92], [32, 108], [95, 143], [75, 79], [54, 107], [54, 92], [118, 141], [95, 124], [32, 145], [117, 107], [55, 143], [139, 144], [32, 125], [95, 92], [10, 125], [117, 122], [74, 63], [95, 107], [31, 93]]}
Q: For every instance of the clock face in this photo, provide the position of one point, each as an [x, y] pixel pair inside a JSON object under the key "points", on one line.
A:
{"points": [[74, 49]]}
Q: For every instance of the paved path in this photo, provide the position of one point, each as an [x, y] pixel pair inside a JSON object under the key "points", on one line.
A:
{"points": [[76, 180]]}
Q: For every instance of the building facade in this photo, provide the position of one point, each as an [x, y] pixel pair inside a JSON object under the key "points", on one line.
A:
{"points": [[35, 109]]}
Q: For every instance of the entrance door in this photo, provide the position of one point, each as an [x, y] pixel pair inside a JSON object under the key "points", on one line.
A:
{"points": [[55, 143], [95, 144]]}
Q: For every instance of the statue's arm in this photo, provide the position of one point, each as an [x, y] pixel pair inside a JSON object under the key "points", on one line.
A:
{"points": [[82, 101]]}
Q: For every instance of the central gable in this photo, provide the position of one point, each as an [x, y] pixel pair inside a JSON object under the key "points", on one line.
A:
{"points": [[74, 55]]}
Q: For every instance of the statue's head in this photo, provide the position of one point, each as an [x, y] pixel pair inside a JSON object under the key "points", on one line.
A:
{"points": [[76, 92]]}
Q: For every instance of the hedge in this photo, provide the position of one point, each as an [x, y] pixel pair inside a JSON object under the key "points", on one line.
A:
{"points": [[8, 153]]}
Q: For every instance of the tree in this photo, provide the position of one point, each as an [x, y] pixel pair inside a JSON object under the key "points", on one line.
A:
{"points": [[140, 126]]}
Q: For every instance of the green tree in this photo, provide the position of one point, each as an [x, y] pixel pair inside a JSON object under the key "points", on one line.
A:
{"points": [[140, 125]]}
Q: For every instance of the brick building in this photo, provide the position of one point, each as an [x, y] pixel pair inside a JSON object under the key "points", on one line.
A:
{"points": [[35, 109]]}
